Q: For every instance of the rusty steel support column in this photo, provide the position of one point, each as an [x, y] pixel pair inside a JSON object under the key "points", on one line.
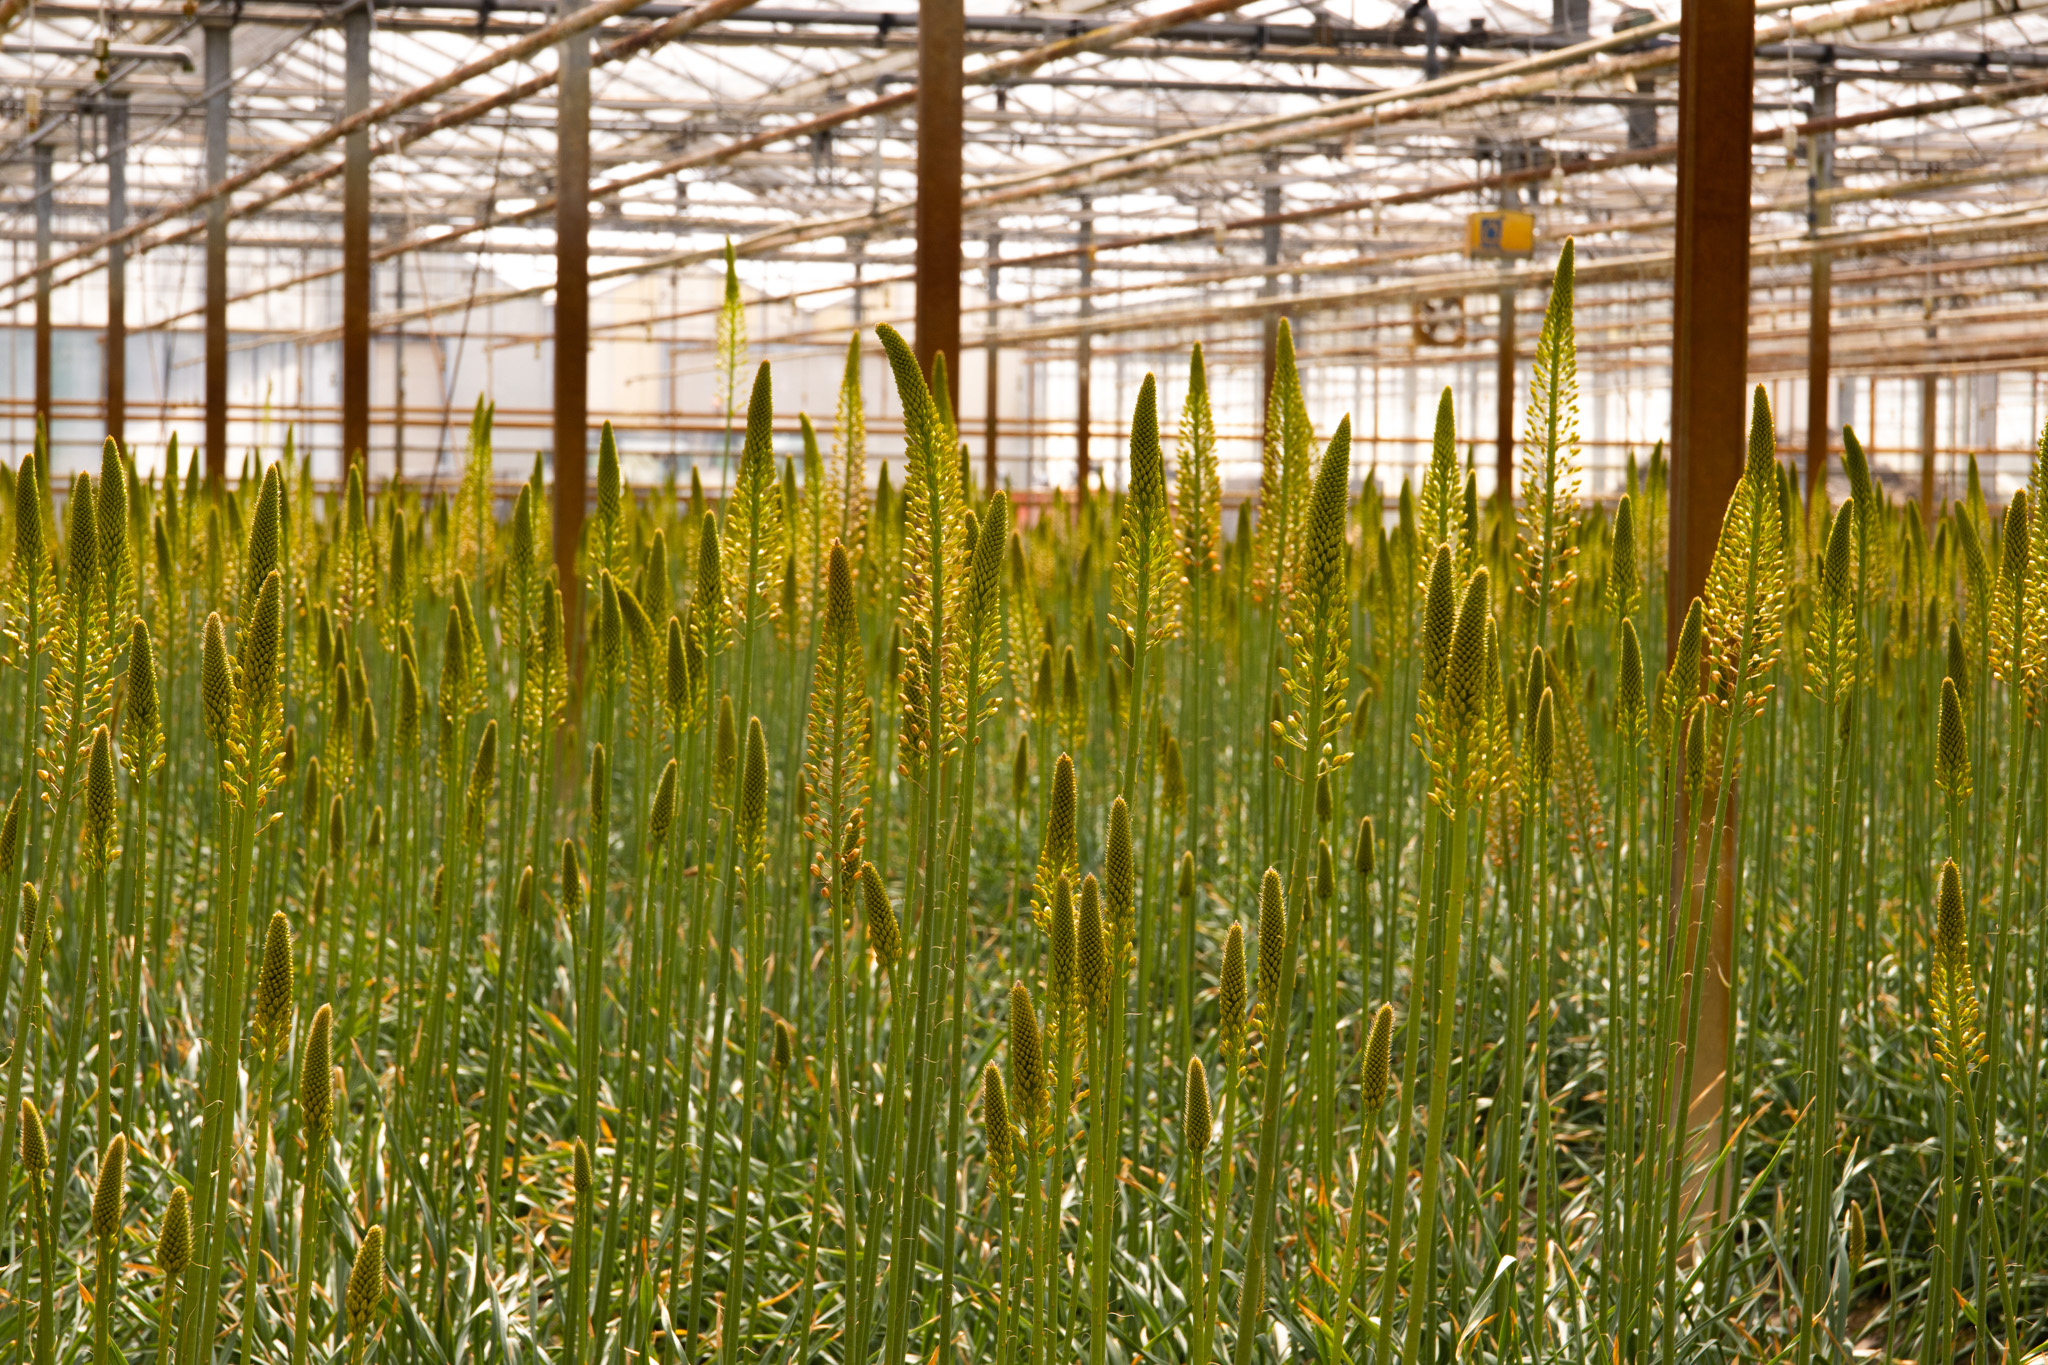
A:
{"points": [[1084, 349], [572, 323], [355, 244], [1930, 396], [991, 390], [1504, 411], [43, 196], [1709, 371], [1710, 342], [941, 34], [219, 76], [1820, 160], [117, 268], [1269, 326]]}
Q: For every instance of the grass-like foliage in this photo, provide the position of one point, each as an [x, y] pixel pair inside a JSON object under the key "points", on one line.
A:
{"points": [[899, 923]]}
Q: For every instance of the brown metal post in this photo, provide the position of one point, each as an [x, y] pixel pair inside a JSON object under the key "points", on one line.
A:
{"points": [[991, 390], [43, 195], [1504, 413], [219, 75], [1084, 350], [117, 268], [1710, 342], [1820, 297], [1930, 394], [356, 302], [1269, 326], [1709, 371], [941, 36], [572, 323]]}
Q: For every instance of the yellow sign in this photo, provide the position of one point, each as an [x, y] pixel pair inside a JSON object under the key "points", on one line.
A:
{"points": [[1504, 233]]}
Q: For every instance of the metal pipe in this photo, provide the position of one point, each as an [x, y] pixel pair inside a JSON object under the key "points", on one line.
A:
{"points": [[1820, 155], [1504, 409], [117, 267], [1084, 349], [939, 173], [219, 85], [991, 388], [356, 302], [43, 194], [572, 324]]}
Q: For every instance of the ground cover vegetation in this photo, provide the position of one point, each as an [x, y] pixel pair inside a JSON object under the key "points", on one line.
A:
{"points": [[860, 922]]}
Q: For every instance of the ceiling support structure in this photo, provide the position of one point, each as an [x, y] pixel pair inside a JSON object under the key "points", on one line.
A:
{"points": [[1269, 233], [1820, 160], [117, 268], [219, 82], [941, 30], [356, 304], [43, 194], [1084, 349], [572, 324], [1504, 410], [991, 389], [1709, 374]]}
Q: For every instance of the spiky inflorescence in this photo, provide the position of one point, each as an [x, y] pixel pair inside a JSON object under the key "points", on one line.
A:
{"points": [[2007, 644], [836, 739], [1439, 622], [933, 522], [883, 936], [1376, 1071], [141, 725], [366, 1280], [112, 498], [266, 537], [29, 562], [1543, 747], [1231, 994], [782, 1055], [1272, 937], [1319, 616], [1745, 592], [1855, 1237], [110, 1193], [10, 837], [725, 746], [99, 799], [274, 984], [679, 685], [1066, 951], [1958, 1039], [1682, 685], [216, 681], [35, 1142], [1465, 677], [1831, 646], [1145, 546], [1363, 853], [1624, 575], [664, 811], [611, 633], [711, 606], [1091, 948], [1027, 1056], [1283, 473], [1629, 701], [751, 827], [1197, 1117], [1549, 505], [1951, 745], [982, 637], [1696, 754], [581, 1180], [1437, 502], [316, 1080], [1118, 874], [1198, 487], [174, 1238], [995, 1125], [1058, 851], [82, 538], [483, 780]]}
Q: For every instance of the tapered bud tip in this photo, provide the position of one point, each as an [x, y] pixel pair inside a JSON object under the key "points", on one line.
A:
{"points": [[316, 1080], [1363, 852], [995, 1118], [1186, 884], [1092, 951], [274, 980], [174, 1238], [1272, 936], [366, 1279], [35, 1143], [1543, 752], [784, 1051], [1196, 1119], [1027, 1063], [1951, 925], [883, 935], [110, 1195], [664, 805], [1377, 1068], [579, 1173]]}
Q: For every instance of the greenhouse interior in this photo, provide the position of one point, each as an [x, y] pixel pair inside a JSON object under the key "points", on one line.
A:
{"points": [[1024, 681]]}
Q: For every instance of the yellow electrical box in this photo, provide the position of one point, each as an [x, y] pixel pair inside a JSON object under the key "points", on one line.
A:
{"points": [[1503, 233]]}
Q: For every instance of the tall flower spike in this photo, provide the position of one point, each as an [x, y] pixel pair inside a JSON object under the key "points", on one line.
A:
{"points": [[140, 725], [1543, 751], [1377, 1069], [35, 1142], [570, 885], [1196, 1118], [1091, 951], [28, 522], [995, 1123], [1951, 744], [1628, 688], [1466, 683], [263, 646], [1439, 622], [316, 1079], [110, 1193], [1624, 577], [99, 799], [664, 811], [1231, 993], [1272, 937], [1027, 1057], [883, 935], [83, 540], [725, 750], [1066, 948], [1058, 851], [174, 1239], [752, 825], [1118, 871], [1363, 853], [366, 1280], [274, 983], [266, 536]]}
